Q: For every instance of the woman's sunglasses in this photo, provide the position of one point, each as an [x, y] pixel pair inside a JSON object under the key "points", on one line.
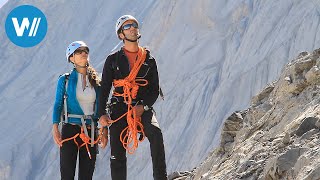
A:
{"points": [[128, 26], [80, 50]]}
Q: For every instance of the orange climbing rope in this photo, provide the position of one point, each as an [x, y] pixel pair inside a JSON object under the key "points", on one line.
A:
{"points": [[86, 140], [129, 136]]}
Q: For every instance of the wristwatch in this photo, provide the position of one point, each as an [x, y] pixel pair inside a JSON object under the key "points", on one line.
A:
{"points": [[146, 107]]}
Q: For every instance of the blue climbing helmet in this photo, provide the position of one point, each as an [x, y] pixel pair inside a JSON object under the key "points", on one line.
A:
{"points": [[74, 46]]}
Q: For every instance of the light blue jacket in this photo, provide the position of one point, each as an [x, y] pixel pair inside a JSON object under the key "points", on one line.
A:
{"points": [[72, 101]]}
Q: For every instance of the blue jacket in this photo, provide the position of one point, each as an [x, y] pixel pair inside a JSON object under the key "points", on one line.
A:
{"points": [[73, 105]]}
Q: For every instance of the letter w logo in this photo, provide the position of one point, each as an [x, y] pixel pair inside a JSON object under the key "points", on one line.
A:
{"points": [[25, 24]]}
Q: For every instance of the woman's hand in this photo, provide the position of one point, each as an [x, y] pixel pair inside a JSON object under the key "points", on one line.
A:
{"points": [[104, 138], [104, 120], [56, 135]]}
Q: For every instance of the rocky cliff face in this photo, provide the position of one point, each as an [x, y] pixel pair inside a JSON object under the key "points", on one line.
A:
{"points": [[278, 136]]}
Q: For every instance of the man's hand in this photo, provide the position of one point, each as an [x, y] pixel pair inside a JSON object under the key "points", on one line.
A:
{"points": [[104, 120], [139, 110], [56, 135], [104, 138]]}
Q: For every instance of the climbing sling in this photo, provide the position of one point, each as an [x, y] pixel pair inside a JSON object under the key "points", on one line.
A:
{"points": [[129, 135]]}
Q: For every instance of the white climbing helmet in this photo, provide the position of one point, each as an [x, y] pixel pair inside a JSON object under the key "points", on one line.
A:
{"points": [[122, 20], [73, 46]]}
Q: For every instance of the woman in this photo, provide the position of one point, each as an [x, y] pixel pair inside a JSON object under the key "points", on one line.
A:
{"points": [[77, 94]]}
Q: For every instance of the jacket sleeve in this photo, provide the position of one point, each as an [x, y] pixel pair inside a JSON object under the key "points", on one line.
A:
{"points": [[106, 84], [58, 104], [153, 87]]}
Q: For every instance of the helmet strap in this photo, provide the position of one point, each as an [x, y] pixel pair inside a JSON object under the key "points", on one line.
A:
{"points": [[77, 65]]}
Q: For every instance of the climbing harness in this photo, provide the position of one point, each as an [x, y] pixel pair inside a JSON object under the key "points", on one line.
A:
{"points": [[84, 136]]}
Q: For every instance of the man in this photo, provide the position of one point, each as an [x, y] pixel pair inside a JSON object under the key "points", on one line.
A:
{"points": [[133, 73]]}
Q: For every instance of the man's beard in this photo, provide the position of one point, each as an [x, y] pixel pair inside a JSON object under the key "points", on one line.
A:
{"points": [[132, 37]]}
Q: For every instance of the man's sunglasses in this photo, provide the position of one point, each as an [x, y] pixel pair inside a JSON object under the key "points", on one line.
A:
{"points": [[80, 50], [128, 26]]}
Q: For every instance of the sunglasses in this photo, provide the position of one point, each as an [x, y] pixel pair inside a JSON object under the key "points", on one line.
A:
{"points": [[128, 26], [79, 51]]}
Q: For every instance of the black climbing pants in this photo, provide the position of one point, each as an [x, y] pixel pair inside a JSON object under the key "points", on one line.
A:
{"points": [[69, 152], [118, 160]]}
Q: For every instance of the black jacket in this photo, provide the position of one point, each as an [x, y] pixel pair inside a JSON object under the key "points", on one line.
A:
{"points": [[117, 67]]}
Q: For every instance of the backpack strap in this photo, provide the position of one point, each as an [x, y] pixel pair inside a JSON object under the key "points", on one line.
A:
{"points": [[161, 93], [160, 89], [114, 61], [115, 64], [65, 96]]}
